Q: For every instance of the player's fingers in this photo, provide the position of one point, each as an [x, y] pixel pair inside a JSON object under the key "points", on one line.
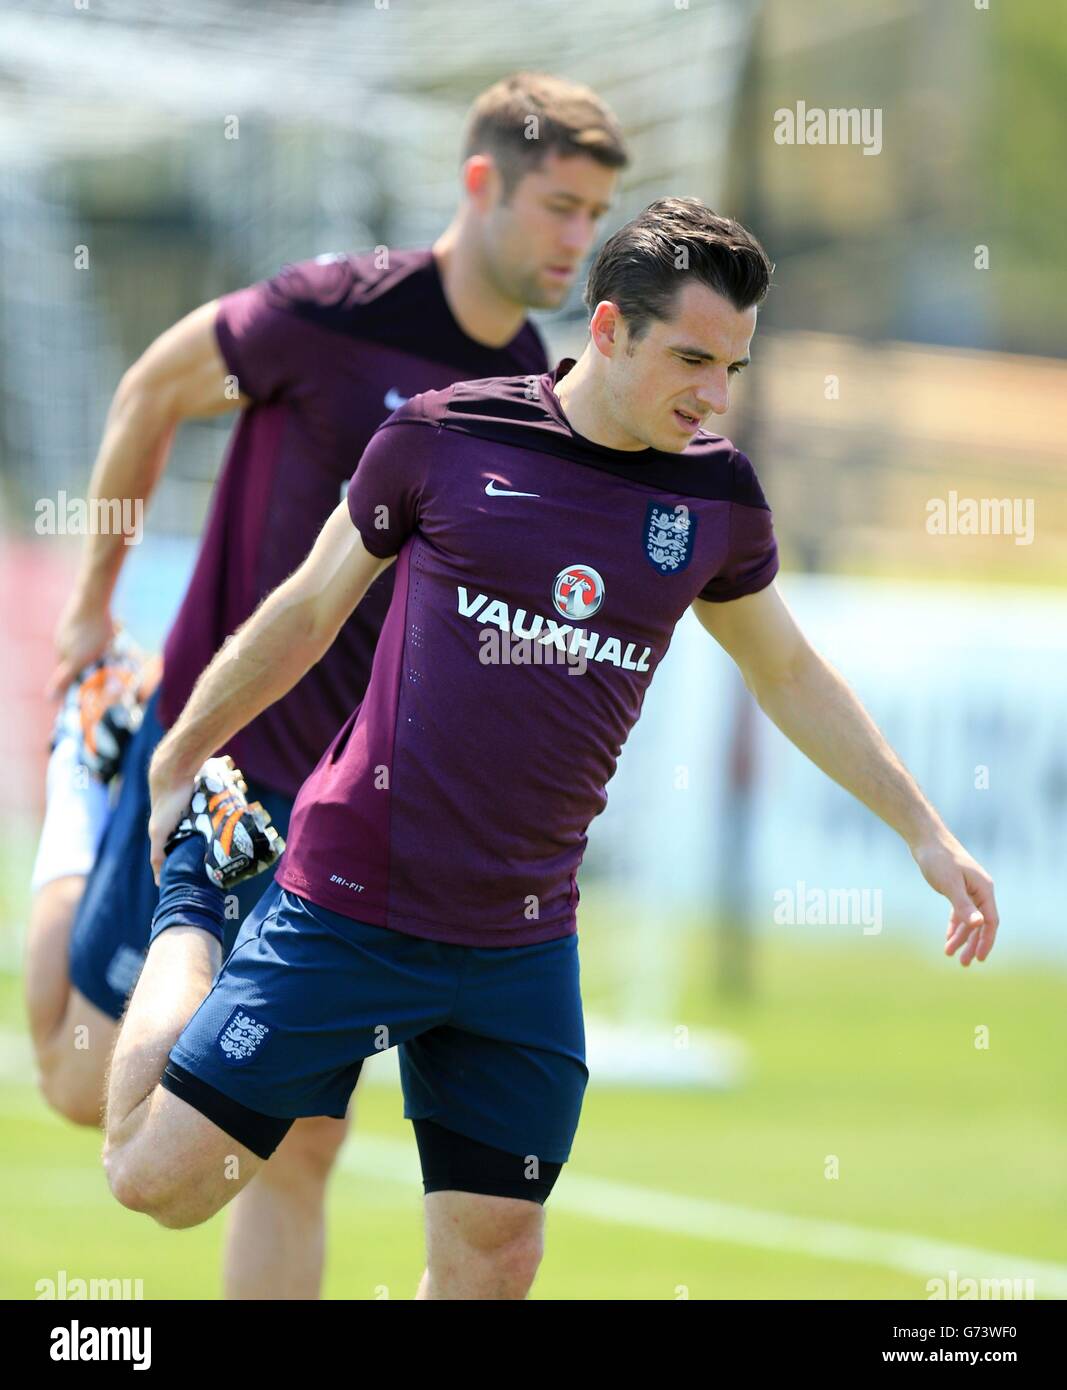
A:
{"points": [[983, 895], [986, 937], [965, 911], [965, 916], [971, 945], [980, 887], [958, 934], [986, 940]]}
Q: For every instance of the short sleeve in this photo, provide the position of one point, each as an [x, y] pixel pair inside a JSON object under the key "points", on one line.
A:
{"points": [[752, 553], [263, 332], [385, 493]]}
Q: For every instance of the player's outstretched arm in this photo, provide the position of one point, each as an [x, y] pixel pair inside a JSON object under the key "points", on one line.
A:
{"points": [[180, 376], [286, 635], [817, 710]]}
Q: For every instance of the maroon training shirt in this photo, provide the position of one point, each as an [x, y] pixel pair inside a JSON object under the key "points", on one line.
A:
{"points": [[326, 350], [454, 803]]}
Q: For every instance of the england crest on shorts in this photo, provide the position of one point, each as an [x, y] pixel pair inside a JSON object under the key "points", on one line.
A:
{"points": [[669, 534], [241, 1036]]}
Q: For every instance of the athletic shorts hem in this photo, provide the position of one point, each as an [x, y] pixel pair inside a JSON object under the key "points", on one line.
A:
{"points": [[256, 1131], [196, 1065], [517, 1190], [492, 1138], [453, 1162]]}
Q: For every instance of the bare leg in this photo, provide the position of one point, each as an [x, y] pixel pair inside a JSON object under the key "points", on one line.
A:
{"points": [[178, 972], [162, 1156], [276, 1243], [72, 1039], [480, 1247]]}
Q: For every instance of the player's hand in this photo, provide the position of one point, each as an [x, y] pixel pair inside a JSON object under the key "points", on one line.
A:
{"points": [[973, 921], [82, 635], [170, 793]]}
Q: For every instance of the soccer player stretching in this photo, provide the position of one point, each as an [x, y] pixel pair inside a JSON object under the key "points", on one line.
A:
{"points": [[427, 896]]}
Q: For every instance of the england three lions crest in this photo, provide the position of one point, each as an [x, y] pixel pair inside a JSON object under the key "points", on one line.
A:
{"points": [[241, 1036], [669, 534]]}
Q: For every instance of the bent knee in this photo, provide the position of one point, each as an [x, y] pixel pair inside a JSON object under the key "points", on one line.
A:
{"points": [[132, 1183], [75, 1092], [80, 1108], [72, 1062], [138, 1184]]}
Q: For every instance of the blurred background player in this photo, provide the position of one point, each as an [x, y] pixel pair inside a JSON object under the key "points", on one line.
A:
{"points": [[315, 359], [101, 710]]}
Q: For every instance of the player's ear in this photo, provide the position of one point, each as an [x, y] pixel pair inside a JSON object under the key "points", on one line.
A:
{"points": [[606, 328], [479, 178]]}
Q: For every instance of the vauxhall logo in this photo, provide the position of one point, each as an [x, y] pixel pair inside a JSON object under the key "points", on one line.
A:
{"points": [[578, 591]]}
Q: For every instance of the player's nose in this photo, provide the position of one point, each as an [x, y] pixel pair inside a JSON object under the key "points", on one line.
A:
{"points": [[714, 393]]}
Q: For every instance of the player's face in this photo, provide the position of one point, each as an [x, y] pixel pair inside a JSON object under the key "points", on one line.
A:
{"points": [[535, 241], [678, 374]]}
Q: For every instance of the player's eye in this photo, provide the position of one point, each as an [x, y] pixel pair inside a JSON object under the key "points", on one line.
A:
{"points": [[737, 368], [691, 361]]}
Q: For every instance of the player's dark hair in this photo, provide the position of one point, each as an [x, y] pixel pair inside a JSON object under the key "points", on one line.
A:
{"points": [[644, 265], [529, 115]]}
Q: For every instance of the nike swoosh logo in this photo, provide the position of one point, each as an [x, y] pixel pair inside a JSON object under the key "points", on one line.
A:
{"points": [[394, 400], [491, 490]]}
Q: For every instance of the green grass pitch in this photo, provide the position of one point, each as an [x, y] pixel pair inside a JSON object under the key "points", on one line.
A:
{"points": [[861, 1049]]}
